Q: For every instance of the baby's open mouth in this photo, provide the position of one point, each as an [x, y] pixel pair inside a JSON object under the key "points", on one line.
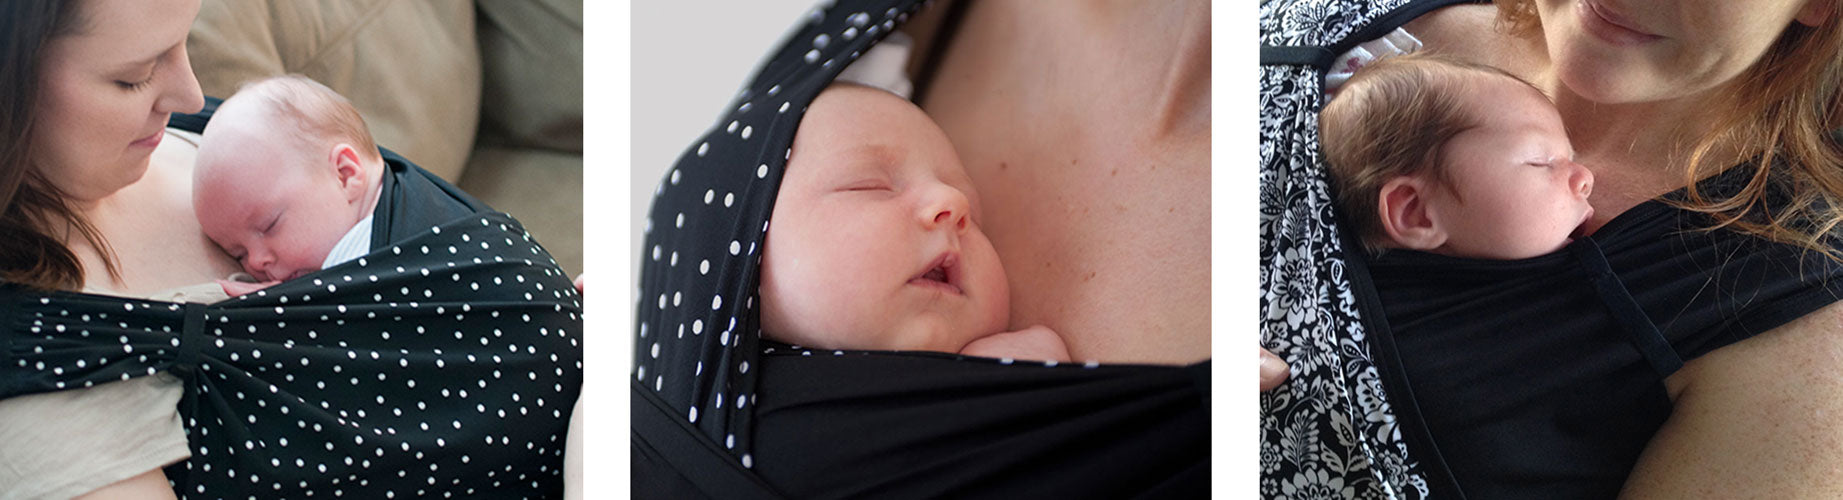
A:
{"points": [[939, 274]]}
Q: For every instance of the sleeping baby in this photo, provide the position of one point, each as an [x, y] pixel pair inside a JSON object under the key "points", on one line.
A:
{"points": [[286, 180], [1454, 159], [875, 242]]}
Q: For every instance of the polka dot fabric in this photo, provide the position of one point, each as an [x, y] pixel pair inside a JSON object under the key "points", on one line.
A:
{"points": [[698, 326], [440, 366]]}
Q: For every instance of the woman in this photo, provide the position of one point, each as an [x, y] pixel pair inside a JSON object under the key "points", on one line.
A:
{"points": [[1089, 187], [94, 195], [303, 387], [1658, 97]]}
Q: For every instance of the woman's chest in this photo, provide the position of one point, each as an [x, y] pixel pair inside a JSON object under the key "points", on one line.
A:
{"points": [[154, 233], [1091, 161]]}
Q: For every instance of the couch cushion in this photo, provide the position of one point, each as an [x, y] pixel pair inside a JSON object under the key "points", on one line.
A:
{"points": [[533, 73], [541, 188], [411, 67]]}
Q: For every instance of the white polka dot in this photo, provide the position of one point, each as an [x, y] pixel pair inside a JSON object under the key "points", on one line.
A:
{"points": [[812, 56], [716, 302], [694, 414], [704, 267], [747, 131], [703, 148], [735, 247], [761, 172], [732, 127], [708, 195], [729, 199]]}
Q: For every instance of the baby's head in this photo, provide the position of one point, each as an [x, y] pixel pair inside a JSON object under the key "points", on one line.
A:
{"points": [[874, 241], [1453, 158], [286, 167]]}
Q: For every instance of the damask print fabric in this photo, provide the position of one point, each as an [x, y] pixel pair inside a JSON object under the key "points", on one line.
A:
{"points": [[1329, 431]]}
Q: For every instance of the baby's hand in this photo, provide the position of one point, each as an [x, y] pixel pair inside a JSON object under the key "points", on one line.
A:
{"points": [[1037, 343], [239, 288]]}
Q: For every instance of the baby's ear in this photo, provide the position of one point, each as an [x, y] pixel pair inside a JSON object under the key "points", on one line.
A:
{"points": [[1407, 219], [350, 172]]}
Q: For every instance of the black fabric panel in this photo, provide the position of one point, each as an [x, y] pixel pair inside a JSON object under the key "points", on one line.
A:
{"points": [[834, 424], [412, 200], [1533, 389]]}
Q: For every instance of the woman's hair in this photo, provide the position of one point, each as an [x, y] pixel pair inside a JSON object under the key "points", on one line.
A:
{"points": [[1780, 113], [32, 210], [1393, 119]]}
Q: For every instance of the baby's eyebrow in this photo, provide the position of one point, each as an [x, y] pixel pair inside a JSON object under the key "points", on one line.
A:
{"points": [[879, 155]]}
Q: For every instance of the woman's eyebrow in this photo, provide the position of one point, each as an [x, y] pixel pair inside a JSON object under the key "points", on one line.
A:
{"points": [[138, 64]]}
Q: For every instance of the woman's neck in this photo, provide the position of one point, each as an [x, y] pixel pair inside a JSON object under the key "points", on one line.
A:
{"points": [[1153, 31]]}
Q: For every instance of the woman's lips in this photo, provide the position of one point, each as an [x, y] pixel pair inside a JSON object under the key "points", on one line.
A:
{"points": [[1610, 26], [150, 141]]}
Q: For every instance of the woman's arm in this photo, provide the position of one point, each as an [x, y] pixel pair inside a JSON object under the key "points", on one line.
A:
{"points": [[147, 486], [1762, 418]]}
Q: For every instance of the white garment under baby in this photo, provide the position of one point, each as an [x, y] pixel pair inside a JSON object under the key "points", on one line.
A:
{"points": [[1395, 43], [356, 243], [885, 66]]}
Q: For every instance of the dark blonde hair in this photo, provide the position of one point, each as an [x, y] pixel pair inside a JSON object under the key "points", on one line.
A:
{"points": [[33, 212], [1392, 119], [1779, 114], [315, 110]]}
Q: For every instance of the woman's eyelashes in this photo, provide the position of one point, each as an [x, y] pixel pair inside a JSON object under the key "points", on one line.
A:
{"points": [[141, 82], [135, 86]]}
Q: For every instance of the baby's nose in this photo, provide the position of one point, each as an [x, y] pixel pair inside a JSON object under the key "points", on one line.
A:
{"points": [[1581, 180]]}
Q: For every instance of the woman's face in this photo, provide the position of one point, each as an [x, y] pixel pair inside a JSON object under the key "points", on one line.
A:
{"points": [[1624, 51], [106, 89]]}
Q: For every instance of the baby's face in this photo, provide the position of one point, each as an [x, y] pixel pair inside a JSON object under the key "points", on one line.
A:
{"points": [[874, 241], [1520, 193], [270, 203]]}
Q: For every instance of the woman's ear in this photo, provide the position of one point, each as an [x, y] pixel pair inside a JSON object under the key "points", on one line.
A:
{"points": [[1407, 219], [351, 174], [1815, 12]]}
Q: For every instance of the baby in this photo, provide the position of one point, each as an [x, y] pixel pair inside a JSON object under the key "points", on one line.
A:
{"points": [[1455, 159], [286, 180], [875, 240]]}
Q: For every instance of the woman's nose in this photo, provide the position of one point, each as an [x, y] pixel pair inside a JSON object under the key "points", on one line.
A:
{"points": [[182, 94]]}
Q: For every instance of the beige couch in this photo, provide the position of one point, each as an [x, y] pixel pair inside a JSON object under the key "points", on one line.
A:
{"points": [[487, 93]]}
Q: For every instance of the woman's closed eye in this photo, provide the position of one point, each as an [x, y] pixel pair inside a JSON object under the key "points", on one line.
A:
{"points": [[138, 83]]}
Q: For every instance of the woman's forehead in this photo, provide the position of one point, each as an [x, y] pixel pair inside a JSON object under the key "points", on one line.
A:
{"points": [[128, 32]]}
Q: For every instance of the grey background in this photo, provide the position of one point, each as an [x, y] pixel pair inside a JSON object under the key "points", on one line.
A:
{"points": [[689, 59]]}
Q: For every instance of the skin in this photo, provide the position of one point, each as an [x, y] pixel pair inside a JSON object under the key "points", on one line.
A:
{"points": [[1515, 191], [868, 207], [1097, 188], [275, 203], [92, 114], [1749, 418], [105, 95]]}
